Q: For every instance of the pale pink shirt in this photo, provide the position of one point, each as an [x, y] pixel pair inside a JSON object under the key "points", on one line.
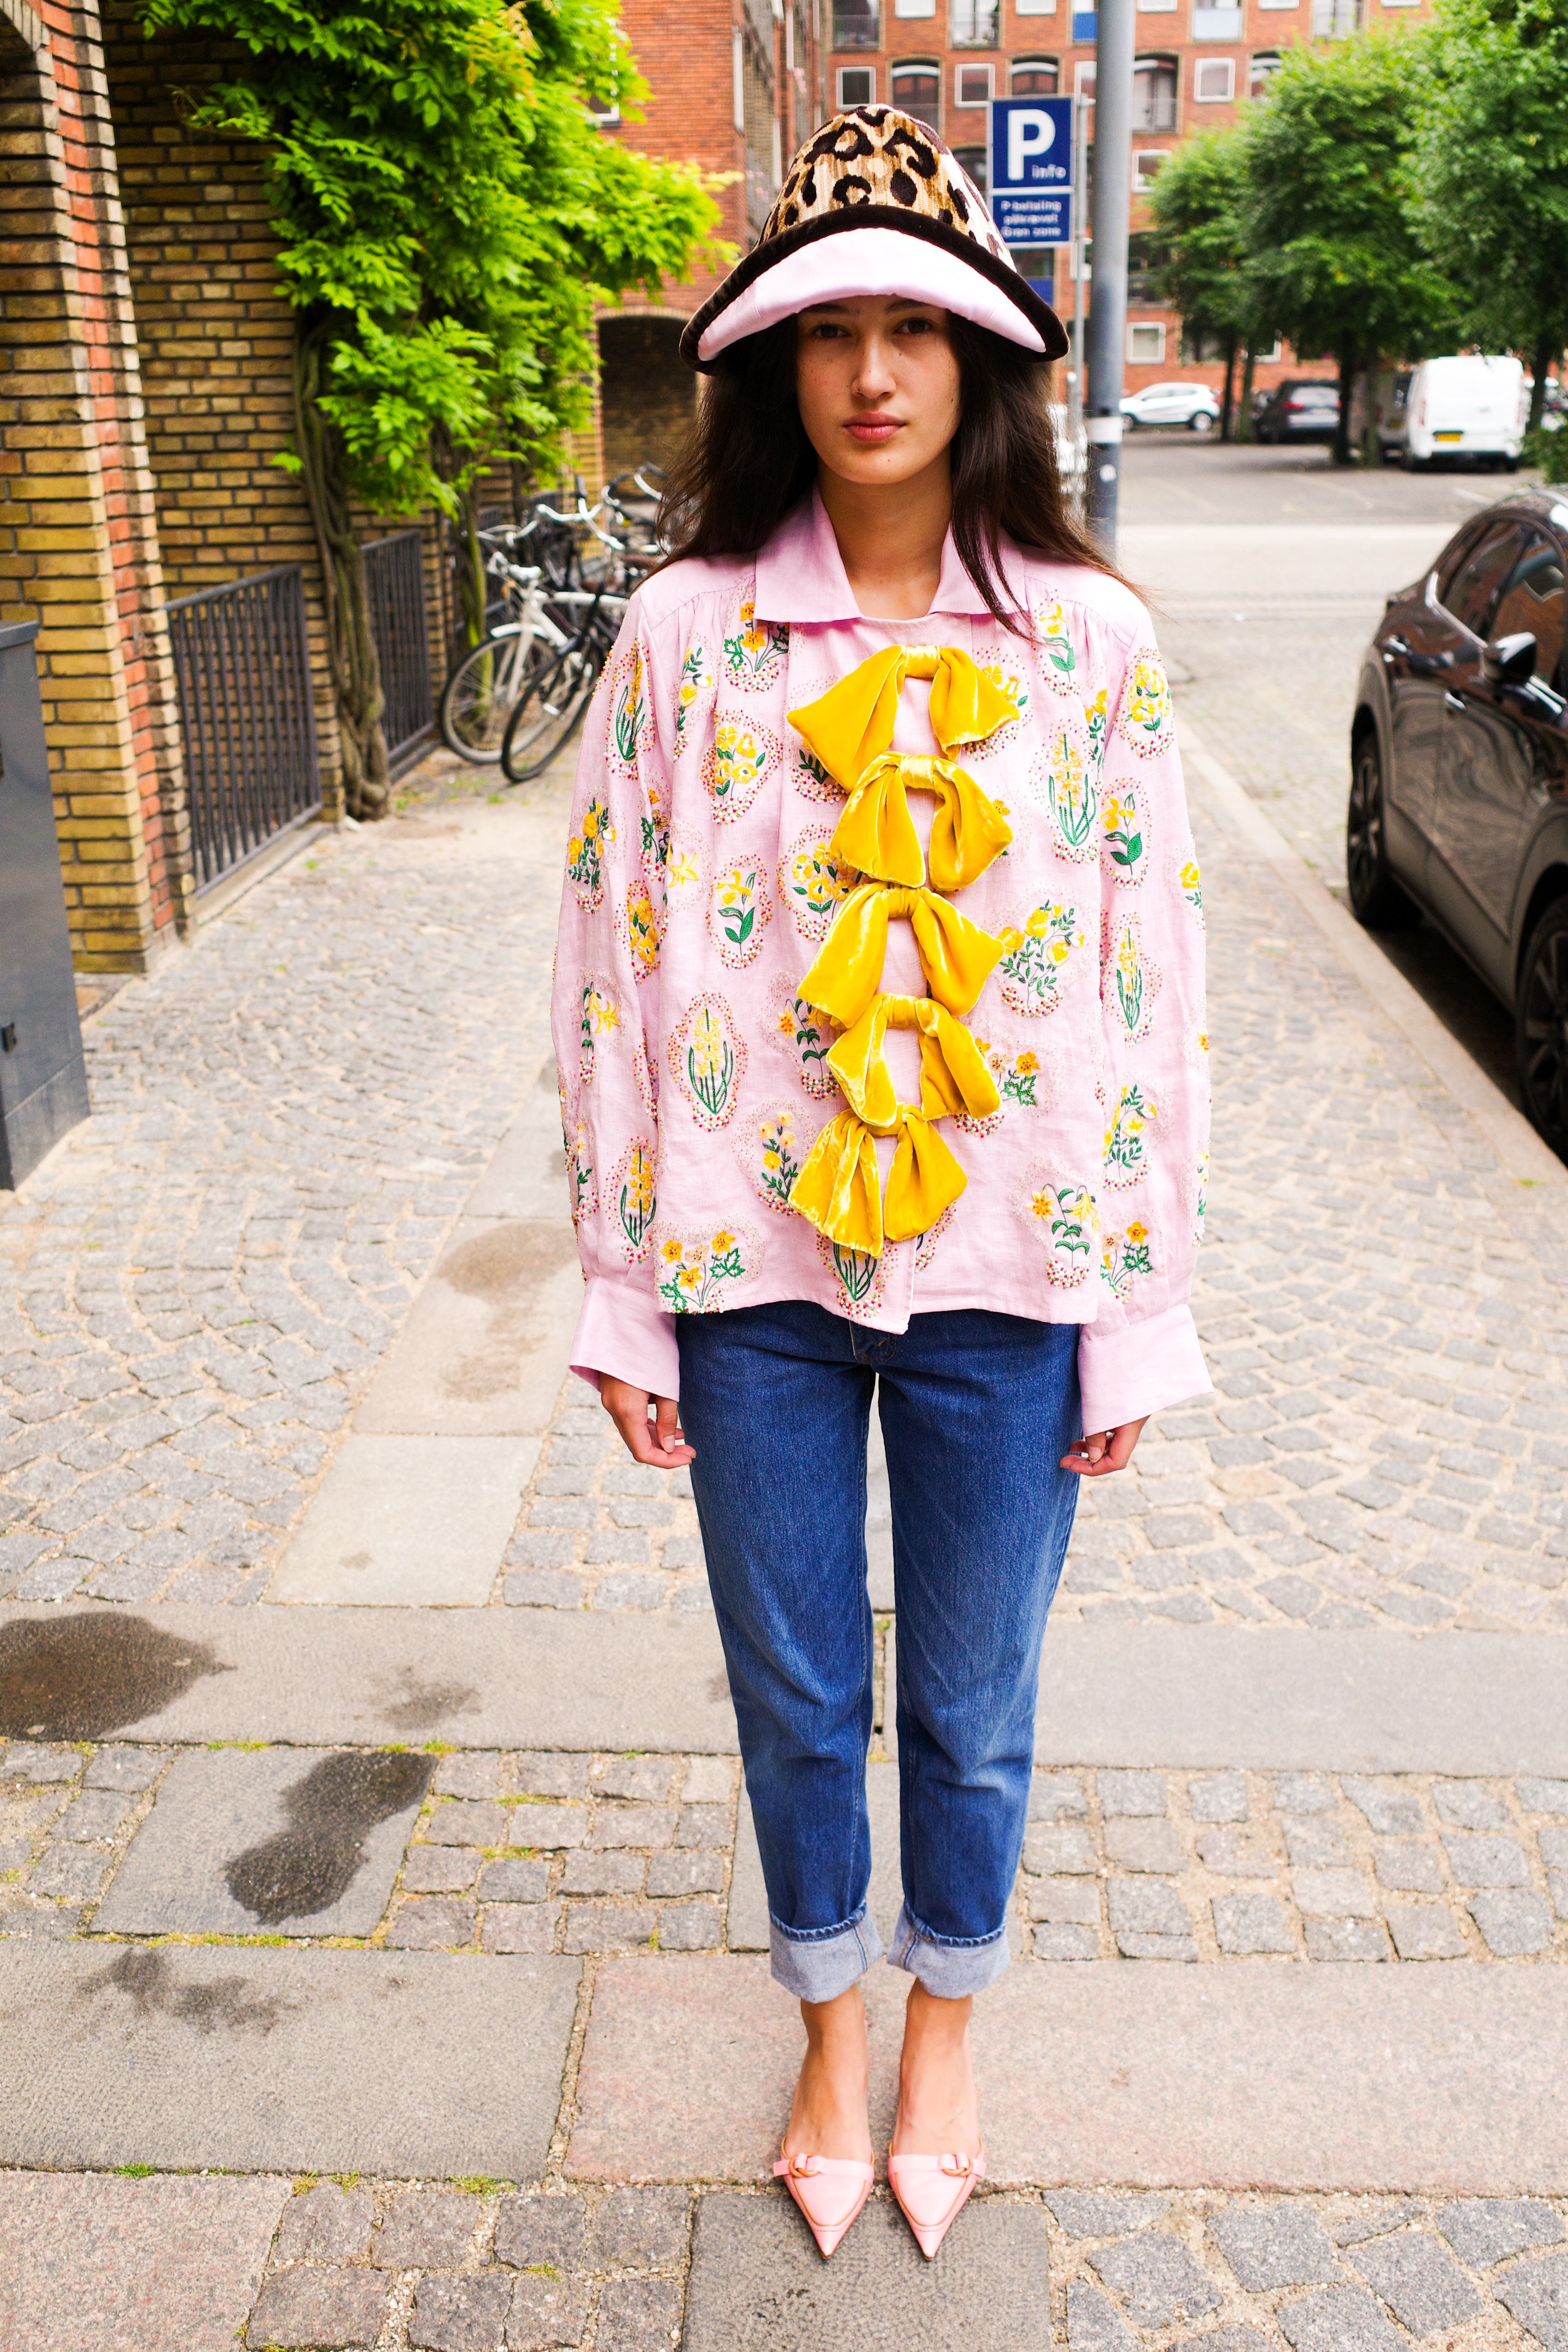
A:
{"points": [[699, 887]]}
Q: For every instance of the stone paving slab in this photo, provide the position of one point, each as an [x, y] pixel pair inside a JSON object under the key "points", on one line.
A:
{"points": [[253, 2059], [518, 1678], [291, 1841], [1413, 2079], [488, 1343], [1359, 1701], [758, 2283], [408, 1522], [96, 2265]]}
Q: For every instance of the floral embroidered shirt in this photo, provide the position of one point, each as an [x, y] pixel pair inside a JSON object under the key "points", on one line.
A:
{"points": [[701, 887]]}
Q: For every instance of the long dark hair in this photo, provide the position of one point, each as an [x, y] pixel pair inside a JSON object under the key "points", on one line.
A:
{"points": [[747, 461]]}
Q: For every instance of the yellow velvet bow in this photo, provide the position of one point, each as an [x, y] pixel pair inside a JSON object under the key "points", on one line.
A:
{"points": [[853, 721], [956, 956], [877, 835], [953, 1075], [837, 1189]]}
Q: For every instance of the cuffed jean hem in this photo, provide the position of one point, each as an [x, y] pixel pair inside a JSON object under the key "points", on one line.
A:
{"points": [[821, 1965], [949, 1970]]}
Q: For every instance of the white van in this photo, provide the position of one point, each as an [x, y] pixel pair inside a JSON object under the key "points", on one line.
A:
{"points": [[1473, 408]]}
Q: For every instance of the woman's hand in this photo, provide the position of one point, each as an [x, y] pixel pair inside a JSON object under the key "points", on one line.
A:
{"points": [[1107, 1450], [657, 1442]]}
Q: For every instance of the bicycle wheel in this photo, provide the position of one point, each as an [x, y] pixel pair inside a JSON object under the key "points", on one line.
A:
{"points": [[549, 711], [482, 692]]}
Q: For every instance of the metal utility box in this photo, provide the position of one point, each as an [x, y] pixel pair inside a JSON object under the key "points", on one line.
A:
{"points": [[43, 1077]]}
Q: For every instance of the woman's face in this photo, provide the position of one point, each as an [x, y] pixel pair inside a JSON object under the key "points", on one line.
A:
{"points": [[877, 380]]}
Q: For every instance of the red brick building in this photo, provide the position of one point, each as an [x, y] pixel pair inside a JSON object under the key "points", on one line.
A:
{"points": [[1197, 63], [734, 86]]}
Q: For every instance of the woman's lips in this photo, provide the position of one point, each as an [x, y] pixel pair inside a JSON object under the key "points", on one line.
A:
{"points": [[873, 430]]}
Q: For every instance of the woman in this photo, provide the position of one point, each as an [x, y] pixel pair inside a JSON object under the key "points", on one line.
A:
{"points": [[880, 1024]]}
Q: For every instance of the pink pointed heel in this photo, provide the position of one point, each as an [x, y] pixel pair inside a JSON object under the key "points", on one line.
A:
{"points": [[830, 2191], [932, 2191]]}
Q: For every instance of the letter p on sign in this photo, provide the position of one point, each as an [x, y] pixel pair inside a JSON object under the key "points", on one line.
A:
{"points": [[1029, 132]]}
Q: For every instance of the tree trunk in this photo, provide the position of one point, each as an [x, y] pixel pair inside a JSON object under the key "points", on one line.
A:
{"points": [[1540, 360], [1227, 405], [351, 646], [1347, 392], [1244, 412], [472, 585]]}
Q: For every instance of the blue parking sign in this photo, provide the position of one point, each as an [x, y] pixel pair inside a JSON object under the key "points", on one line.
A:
{"points": [[1031, 170]]}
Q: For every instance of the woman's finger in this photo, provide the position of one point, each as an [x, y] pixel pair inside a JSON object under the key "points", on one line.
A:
{"points": [[646, 1442], [1099, 1453]]}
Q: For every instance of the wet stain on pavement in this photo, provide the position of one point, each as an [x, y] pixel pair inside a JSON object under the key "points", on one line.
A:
{"points": [[93, 1672], [152, 1985], [311, 1864], [410, 1704], [510, 1257]]}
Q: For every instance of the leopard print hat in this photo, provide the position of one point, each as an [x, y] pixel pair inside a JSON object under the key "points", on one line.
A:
{"points": [[874, 204]]}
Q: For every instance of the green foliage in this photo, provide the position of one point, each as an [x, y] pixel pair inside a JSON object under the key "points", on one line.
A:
{"points": [[1196, 209], [1491, 171], [449, 214], [1549, 451], [1334, 253]]}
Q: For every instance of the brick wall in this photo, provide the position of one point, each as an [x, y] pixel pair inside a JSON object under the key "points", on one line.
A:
{"points": [[77, 543], [216, 338]]}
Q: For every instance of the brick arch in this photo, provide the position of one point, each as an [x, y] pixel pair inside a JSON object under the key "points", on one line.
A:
{"points": [[79, 549]]}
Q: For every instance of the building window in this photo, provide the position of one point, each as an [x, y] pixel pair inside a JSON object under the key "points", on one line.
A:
{"points": [[1035, 78], [857, 25], [608, 119], [1083, 80], [914, 9], [1084, 24], [856, 86], [1037, 263], [974, 24], [1335, 20], [1265, 66], [1214, 80], [1156, 7], [1215, 24], [916, 85], [1146, 162], [1146, 343], [1272, 356], [1279, 4], [972, 85], [1154, 94], [1145, 250], [1034, 7], [976, 162]]}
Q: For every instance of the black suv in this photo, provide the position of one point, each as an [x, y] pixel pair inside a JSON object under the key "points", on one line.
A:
{"points": [[1459, 774]]}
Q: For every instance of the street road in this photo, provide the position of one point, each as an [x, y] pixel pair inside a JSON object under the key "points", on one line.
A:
{"points": [[381, 1922]]}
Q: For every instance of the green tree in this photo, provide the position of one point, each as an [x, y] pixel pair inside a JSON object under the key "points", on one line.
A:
{"points": [[1195, 205], [448, 217], [1334, 252], [1491, 171]]}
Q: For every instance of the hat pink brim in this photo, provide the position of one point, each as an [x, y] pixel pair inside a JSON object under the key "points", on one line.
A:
{"points": [[868, 261]]}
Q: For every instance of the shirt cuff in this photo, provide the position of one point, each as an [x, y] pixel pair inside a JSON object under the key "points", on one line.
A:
{"points": [[1133, 1370], [621, 1333]]}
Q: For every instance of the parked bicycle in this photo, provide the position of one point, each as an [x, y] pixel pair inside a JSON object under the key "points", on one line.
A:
{"points": [[483, 691]]}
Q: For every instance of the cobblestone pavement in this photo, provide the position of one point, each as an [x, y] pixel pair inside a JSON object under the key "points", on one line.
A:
{"points": [[549, 1852], [194, 1291], [472, 2265]]}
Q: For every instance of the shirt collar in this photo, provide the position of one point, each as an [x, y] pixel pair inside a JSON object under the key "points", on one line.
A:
{"points": [[801, 576]]}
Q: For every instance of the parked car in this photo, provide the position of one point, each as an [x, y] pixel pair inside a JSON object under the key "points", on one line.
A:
{"points": [[1472, 409], [1458, 801], [1192, 404], [1302, 408]]}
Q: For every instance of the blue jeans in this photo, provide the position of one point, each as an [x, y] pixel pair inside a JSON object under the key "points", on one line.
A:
{"points": [[977, 1411]]}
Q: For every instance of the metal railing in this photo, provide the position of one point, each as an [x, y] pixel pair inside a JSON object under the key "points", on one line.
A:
{"points": [[242, 672], [395, 584]]}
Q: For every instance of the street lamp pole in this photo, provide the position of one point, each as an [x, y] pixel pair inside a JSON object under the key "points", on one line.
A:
{"points": [[1111, 218]]}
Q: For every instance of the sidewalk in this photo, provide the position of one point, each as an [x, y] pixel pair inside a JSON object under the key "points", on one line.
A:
{"points": [[402, 1924]]}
